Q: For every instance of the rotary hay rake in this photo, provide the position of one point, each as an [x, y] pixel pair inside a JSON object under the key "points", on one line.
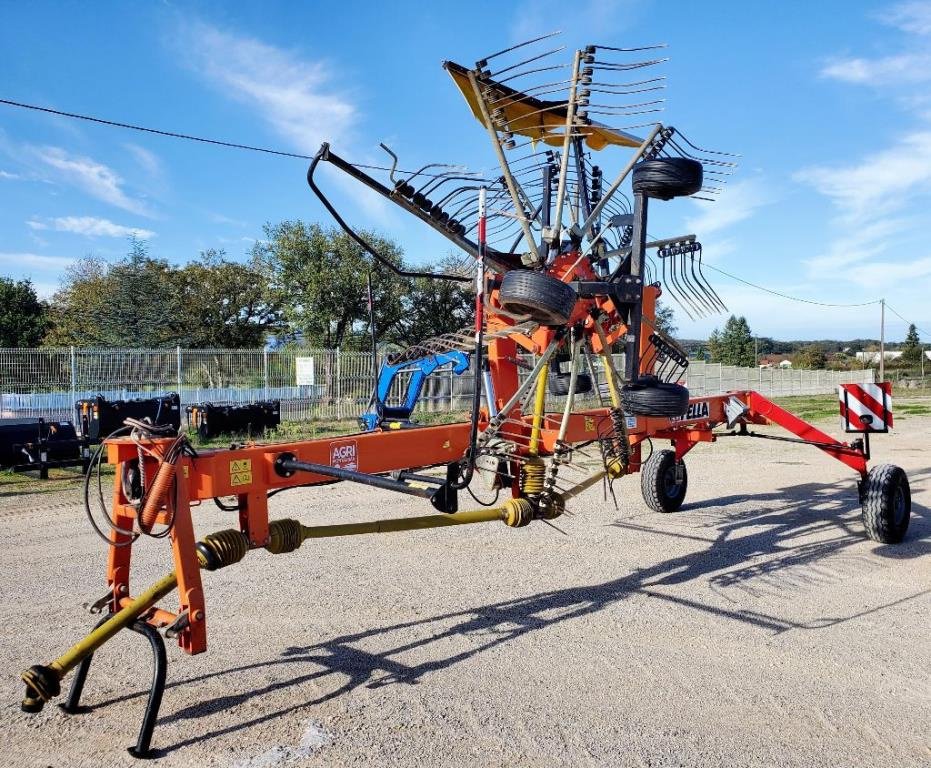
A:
{"points": [[564, 273]]}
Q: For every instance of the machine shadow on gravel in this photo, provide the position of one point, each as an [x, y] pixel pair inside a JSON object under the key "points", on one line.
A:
{"points": [[776, 535]]}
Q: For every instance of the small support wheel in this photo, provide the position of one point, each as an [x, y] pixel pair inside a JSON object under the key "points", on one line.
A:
{"points": [[664, 481], [886, 504]]}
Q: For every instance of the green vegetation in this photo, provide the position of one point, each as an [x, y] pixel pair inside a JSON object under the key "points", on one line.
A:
{"points": [[733, 345], [23, 318]]}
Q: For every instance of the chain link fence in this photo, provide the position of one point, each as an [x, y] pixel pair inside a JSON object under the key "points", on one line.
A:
{"points": [[334, 384]]}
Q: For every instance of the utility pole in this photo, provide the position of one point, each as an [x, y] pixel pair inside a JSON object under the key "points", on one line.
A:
{"points": [[882, 340], [756, 351]]}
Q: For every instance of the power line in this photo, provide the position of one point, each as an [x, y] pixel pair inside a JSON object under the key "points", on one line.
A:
{"points": [[282, 153], [925, 333], [786, 296]]}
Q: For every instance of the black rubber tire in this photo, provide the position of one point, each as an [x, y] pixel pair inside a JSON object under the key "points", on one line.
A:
{"points": [[658, 483], [887, 504], [651, 397], [545, 299], [667, 177], [559, 384]]}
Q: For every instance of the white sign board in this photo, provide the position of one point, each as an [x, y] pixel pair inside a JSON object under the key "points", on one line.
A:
{"points": [[304, 370]]}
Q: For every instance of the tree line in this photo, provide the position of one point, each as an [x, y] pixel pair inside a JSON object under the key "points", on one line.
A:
{"points": [[302, 284]]}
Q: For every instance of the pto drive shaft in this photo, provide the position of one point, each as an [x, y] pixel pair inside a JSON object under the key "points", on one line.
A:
{"points": [[217, 550]]}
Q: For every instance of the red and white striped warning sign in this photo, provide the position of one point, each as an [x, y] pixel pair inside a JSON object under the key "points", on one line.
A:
{"points": [[866, 407]]}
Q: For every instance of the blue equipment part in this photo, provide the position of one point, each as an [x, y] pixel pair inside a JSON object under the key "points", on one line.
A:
{"points": [[420, 369]]}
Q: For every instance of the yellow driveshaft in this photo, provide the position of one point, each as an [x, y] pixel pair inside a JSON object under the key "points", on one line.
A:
{"points": [[223, 548]]}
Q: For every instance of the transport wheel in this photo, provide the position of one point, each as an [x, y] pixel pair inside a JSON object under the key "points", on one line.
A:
{"points": [[886, 504], [649, 396], [543, 298], [559, 384], [667, 177], [662, 490]]}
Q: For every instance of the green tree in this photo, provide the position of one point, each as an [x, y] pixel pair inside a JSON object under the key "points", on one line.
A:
{"points": [[665, 319], [223, 304], [812, 357], [23, 318], [318, 278], [733, 345], [434, 307], [911, 349]]}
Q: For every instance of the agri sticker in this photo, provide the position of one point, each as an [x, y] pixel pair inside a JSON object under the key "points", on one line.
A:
{"points": [[345, 455]]}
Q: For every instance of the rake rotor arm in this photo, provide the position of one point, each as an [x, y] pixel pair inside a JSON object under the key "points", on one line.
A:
{"points": [[498, 260]]}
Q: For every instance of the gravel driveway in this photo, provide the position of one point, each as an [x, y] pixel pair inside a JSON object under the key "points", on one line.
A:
{"points": [[755, 627]]}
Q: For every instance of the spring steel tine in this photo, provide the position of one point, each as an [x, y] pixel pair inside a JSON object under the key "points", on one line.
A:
{"points": [[533, 93], [608, 66], [435, 184], [699, 288], [672, 291], [630, 50], [627, 114], [482, 62], [413, 176], [713, 292], [532, 72], [713, 299], [632, 84], [592, 107], [685, 286], [394, 162], [707, 151], [527, 61], [710, 161]]}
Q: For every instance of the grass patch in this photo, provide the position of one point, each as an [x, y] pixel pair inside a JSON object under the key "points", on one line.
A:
{"points": [[810, 407]]}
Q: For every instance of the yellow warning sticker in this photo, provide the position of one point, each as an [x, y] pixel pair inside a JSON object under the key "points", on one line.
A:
{"points": [[241, 472], [589, 424], [187, 471]]}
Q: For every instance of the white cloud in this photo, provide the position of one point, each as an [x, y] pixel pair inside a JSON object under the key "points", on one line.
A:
{"points": [[9, 176], [297, 97], [90, 226], [96, 179], [738, 201], [879, 184], [913, 17], [903, 68], [34, 261], [864, 241], [145, 159], [888, 274]]}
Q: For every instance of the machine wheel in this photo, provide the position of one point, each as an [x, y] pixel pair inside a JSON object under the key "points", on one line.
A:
{"points": [[661, 491], [543, 298], [667, 177], [559, 384], [886, 504], [649, 396]]}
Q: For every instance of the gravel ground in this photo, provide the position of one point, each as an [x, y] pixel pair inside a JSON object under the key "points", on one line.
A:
{"points": [[755, 627]]}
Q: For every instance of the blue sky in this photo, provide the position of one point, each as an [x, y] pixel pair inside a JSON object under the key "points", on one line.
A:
{"points": [[828, 103]]}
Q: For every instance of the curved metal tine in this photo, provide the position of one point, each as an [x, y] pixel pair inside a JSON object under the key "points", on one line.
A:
{"points": [[528, 61], [702, 281], [714, 293], [707, 151], [533, 72], [670, 285], [625, 114], [449, 197], [630, 50], [630, 92], [417, 173], [439, 181], [632, 84], [482, 62], [699, 289], [394, 162], [609, 66], [534, 93], [539, 111], [705, 160], [626, 106], [685, 286]]}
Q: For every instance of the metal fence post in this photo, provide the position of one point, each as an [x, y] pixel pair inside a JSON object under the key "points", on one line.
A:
{"points": [[74, 377], [178, 362], [265, 371], [339, 386]]}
